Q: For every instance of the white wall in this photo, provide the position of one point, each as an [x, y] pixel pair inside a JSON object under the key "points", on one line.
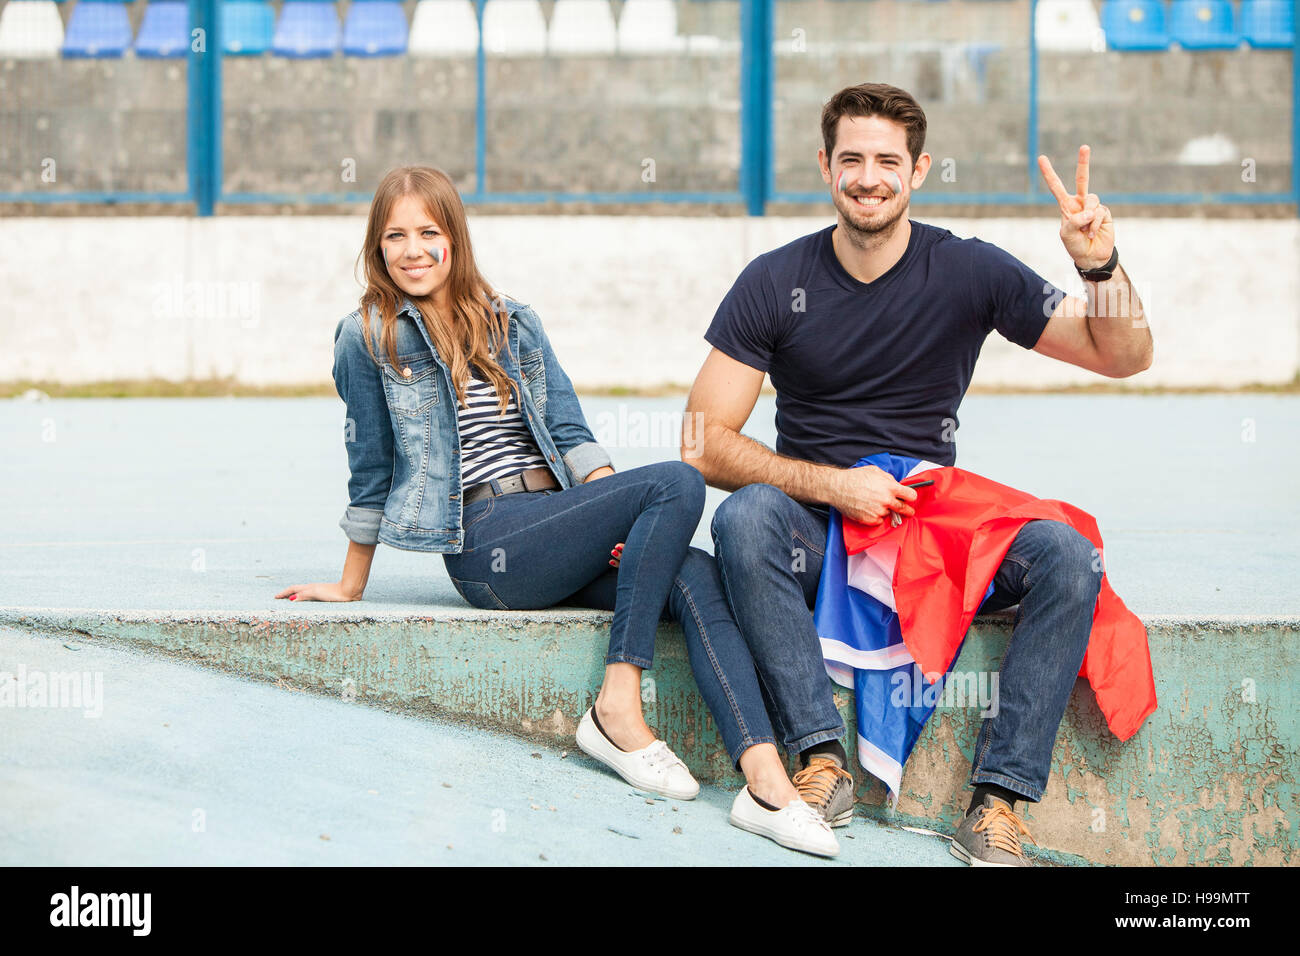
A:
{"points": [[625, 299]]}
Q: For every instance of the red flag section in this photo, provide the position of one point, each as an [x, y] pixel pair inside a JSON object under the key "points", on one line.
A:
{"points": [[950, 551]]}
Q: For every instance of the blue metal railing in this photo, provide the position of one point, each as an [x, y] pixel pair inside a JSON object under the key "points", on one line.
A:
{"points": [[757, 174]]}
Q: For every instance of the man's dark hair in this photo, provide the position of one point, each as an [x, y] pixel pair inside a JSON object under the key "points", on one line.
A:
{"points": [[875, 99]]}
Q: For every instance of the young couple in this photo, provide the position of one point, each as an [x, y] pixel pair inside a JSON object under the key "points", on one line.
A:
{"points": [[466, 439]]}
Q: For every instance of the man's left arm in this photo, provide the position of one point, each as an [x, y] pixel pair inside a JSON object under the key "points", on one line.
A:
{"points": [[1107, 332]]}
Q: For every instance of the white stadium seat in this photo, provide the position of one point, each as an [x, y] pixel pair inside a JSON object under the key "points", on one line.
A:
{"points": [[1068, 25], [30, 29], [582, 26], [649, 26], [442, 27], [514, 27]]}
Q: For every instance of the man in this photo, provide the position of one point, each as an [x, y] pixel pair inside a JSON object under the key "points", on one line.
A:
{"points": [[869, 330]]}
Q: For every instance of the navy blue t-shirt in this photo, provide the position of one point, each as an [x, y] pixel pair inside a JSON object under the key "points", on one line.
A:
{"points": [[861, 368]]}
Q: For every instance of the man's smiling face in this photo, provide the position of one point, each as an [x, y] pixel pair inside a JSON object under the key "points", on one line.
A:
{"points": [[870, 173]]}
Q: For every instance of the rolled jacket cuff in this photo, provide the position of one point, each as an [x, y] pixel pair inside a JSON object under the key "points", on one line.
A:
{"points": [[361, 525], [582, 460]]}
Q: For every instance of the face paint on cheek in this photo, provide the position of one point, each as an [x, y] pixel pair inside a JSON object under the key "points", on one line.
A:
{"points": [[895, 183], [842, 183], [438, 253]]}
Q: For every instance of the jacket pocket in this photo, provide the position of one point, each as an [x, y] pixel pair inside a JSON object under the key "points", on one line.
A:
{"points": [[412, 394], [533, 371]]}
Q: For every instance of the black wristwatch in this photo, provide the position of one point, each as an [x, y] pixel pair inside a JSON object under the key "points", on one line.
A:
{"points": [[1103, 273]]}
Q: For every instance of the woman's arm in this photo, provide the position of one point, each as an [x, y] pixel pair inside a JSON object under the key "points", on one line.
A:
{"points": [[367, 436]]}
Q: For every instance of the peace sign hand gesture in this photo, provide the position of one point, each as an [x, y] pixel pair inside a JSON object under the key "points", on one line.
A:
{"points": [[1086, 227]]}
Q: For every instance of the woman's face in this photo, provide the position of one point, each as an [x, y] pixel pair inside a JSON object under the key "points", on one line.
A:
{"points": [[412, 245]]}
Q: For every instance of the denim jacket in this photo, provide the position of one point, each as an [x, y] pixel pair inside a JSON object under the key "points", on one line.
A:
{"points": [[401, 431]]}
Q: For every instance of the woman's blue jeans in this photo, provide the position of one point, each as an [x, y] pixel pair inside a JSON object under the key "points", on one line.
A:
{"points": [[545, 548]]}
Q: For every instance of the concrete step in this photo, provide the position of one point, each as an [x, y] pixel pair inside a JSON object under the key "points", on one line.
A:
{"points": [[1209, 779]]}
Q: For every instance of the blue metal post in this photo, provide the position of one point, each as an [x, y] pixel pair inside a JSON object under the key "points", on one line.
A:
{"points": [[1295, 120], [480, 110], [755, 102], [203, 118], [1031, 132]]}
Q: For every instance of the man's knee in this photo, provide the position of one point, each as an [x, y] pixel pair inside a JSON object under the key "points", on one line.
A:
{"points": [[745, 517], [1066, 558]]}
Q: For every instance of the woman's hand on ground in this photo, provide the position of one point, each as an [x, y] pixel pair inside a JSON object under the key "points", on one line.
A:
{"points": [[616, 554], [320, 591]]}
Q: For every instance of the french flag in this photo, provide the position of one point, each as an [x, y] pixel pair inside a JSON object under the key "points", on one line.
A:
{"points": [[862, 644], [894, 605]]}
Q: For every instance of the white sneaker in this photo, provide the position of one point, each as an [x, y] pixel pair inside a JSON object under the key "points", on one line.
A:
{"points": [[798, 825], [654, 768]]}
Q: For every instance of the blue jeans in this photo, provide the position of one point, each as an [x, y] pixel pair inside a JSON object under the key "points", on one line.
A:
{"points": [[543, 548], [769, 551]]}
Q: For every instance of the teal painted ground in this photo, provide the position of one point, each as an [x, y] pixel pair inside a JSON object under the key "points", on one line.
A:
{"points": [[186, 766], [219, 503]]}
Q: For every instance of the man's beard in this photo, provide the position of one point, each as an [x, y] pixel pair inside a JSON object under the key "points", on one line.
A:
{"points": [[873, 232]]}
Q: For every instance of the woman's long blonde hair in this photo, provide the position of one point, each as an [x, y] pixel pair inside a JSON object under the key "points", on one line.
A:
{"points": [[476, 328]]}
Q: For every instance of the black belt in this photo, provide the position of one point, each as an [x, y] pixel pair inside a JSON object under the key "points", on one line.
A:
{"points": [[534, 479]]}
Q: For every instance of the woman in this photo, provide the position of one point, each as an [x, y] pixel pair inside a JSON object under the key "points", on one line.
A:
{"points": [[465, 438]]}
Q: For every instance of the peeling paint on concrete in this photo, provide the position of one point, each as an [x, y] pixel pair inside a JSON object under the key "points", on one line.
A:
{"points": [[1210, 779]]}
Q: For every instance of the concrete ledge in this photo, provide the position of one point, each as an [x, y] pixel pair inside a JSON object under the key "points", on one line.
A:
{"points": [[1210, 778]]}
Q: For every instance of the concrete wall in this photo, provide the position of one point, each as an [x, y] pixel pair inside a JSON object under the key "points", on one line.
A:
{"points": [[1209, 779], [1178, 120], [625, 299]]}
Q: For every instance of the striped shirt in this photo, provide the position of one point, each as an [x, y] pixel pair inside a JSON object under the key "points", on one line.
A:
{"points": [[492, 446]]}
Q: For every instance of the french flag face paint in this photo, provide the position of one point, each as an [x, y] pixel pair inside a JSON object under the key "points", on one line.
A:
{"points": [[842, 183], [895, 183], [438, 253]]}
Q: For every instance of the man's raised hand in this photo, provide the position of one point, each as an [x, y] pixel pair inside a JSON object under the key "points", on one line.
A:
{"points": [[1086, 227]]}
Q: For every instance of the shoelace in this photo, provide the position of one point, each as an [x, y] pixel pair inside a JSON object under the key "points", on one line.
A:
{"points": [[658, 755], [805, 814], [819, 779], [1004, 829]]}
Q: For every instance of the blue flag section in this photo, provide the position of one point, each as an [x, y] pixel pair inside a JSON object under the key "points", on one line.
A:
{"points": [[857, 621]]}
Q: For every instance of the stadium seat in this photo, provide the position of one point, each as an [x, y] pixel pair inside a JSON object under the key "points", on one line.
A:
{"points": [[247, 27], [375, 28], [97, 30], [442, 27], [306, 29], [1134, 24], [30, 29], [1268, 24], [514, 27], [649, 26], [1203, 25], [1068, 25], [165, 30], [582, 26]]}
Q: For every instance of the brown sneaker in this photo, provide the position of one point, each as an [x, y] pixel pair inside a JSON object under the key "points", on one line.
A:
{"points": [[990, 836], [828, 787]]}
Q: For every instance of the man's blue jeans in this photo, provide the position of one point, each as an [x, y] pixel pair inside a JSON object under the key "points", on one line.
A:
{"points": [[769, 553], [538, 549]]}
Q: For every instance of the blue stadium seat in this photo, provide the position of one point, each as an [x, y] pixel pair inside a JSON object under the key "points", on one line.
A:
{"points": [[1203, 25], [1134, 24], [97, 30], [306, 29], [246, 27], [1268, 24], [375, 28], [165, 31]]}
